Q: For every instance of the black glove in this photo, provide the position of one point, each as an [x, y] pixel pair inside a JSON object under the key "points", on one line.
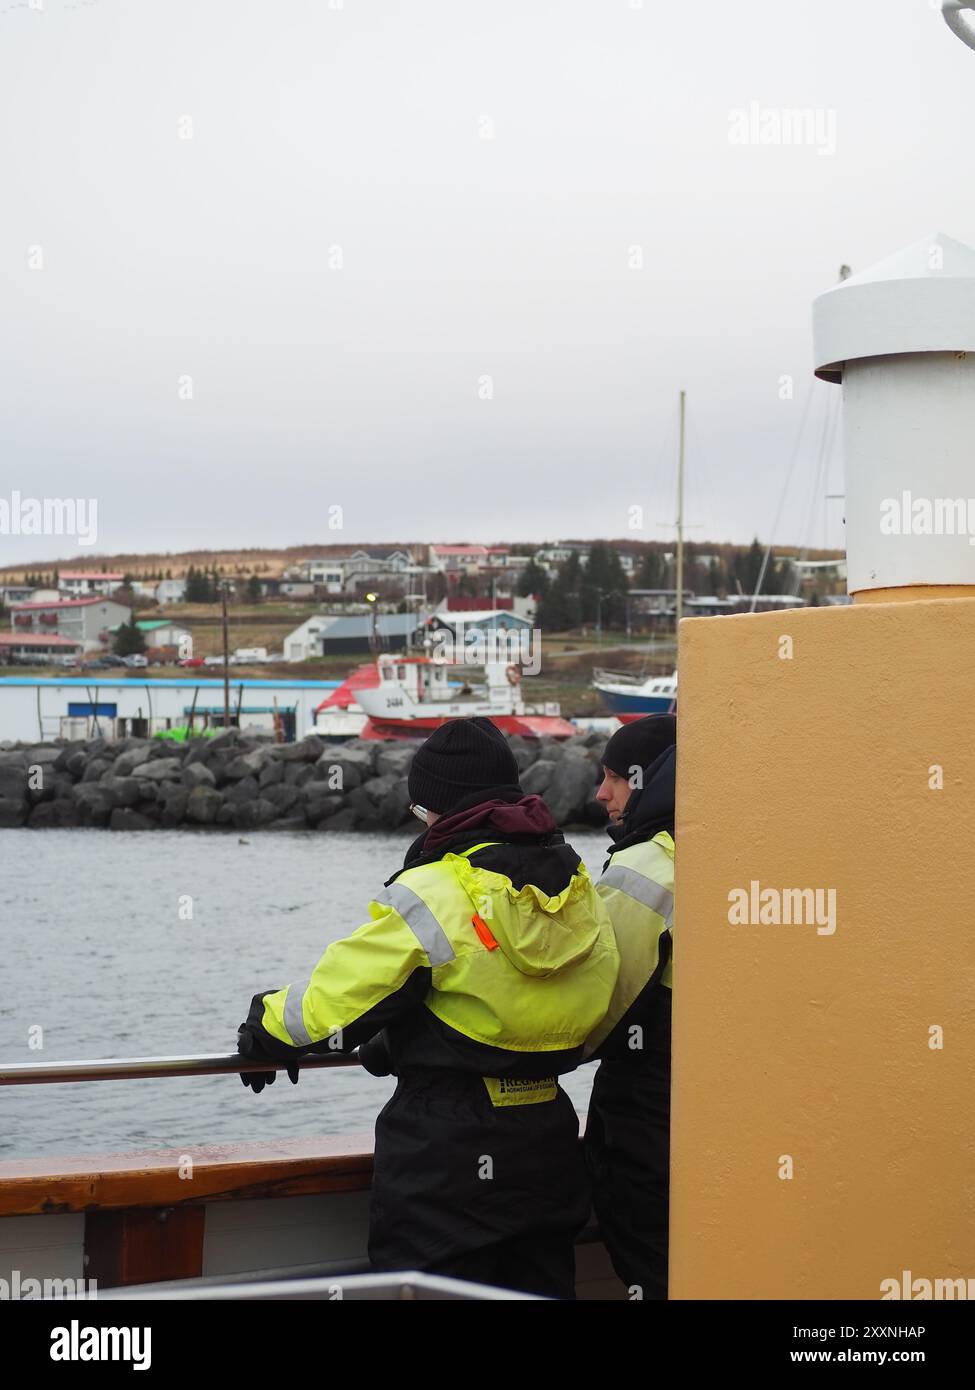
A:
{"points": [[257, 1080], [249, 1046], [375, 1056]]}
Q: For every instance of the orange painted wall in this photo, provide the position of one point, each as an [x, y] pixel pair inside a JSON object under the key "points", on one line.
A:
{"points": [[814, 772]]}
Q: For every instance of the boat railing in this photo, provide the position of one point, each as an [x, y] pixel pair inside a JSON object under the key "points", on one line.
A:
{"points": [[137, 1068]]}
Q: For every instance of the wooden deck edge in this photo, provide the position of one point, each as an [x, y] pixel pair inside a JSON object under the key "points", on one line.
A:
{"points": [[184, 1177]]}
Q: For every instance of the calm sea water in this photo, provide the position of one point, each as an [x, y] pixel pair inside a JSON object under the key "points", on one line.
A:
{"points": [[97, 955]]}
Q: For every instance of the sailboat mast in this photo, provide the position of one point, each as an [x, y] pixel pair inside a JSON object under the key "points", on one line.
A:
{"points": [[679, 608]]}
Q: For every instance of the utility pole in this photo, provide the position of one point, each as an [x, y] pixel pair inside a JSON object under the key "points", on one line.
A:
{"points": [[679, 609], [226, 658]]}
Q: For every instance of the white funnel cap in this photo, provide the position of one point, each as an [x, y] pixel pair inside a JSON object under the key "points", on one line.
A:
{"points": [[920, 299]]}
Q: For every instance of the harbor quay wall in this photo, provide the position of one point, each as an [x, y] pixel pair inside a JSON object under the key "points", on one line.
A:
{"points": [[235, 782]]}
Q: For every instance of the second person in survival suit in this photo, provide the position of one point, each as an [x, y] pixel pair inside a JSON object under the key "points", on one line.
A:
{"points": [[486, 962], [628, 1129]]}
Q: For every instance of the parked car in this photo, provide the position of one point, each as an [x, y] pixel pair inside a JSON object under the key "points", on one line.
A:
{"points": [[136, 660], [191, 661], [213, 661]]}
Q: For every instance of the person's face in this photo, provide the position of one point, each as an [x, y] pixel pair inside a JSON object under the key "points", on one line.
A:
{"points": [[614, 792]]}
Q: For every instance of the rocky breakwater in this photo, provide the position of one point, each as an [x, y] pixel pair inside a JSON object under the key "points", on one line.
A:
{"points": [[234, 782]]}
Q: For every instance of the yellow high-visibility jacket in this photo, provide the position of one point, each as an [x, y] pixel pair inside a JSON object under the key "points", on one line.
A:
{"points": [[467, 961], [638, 890]]}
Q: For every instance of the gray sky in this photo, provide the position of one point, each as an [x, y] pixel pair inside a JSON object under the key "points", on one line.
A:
{"points": [[361, 126]]}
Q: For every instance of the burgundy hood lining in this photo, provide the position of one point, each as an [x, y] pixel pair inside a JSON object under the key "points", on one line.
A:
{"points": [[528, 816]]}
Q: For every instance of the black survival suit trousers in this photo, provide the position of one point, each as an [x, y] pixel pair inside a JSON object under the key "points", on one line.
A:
{"points": [[463, 1187]]}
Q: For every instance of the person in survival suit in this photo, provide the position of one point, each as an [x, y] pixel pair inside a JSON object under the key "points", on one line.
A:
{"points": [[486, 962]]}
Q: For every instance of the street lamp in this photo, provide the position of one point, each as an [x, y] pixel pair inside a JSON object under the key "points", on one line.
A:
{"points": [[371, 600]]}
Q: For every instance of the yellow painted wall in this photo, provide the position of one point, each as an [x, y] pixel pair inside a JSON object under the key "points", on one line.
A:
{"points": [[814, 772]]}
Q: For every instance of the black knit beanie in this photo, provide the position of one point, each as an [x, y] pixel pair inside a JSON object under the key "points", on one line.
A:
{"points": [[639, 744], [461, 757]]}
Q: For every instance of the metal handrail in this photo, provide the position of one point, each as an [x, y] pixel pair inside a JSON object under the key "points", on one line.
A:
{"points": [[135, 1068], [951, 10]]}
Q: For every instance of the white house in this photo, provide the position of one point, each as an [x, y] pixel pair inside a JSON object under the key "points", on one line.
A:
{"points": [[306, 640], [171, 591], [160, 633], [81, 583]]}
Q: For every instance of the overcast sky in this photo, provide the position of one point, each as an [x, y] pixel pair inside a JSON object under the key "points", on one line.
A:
{"points": [[397, 260]]}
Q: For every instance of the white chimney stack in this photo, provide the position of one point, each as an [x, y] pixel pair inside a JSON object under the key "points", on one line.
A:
{"points": [[901, 339]]}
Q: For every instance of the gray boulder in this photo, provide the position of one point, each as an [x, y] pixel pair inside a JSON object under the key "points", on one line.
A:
{"points": [[166, 748], [197, 775], [225, 739], [54, 815], [341, 772], [320, 805], [377, 788], [309, 750], [394, 759], [273, 772], [128, 761], [202, 805], [95, 768], [13, 783], [525, 750], [125, 791], [76, 763], [197, 750], [342, 820], [12, 813], [394, 809], [172, 806], [94, 803], [248, 815], [297, 774], [536, 778], [159, 769], [239, 792], [42, 754], [570, 788], [282, 797], [247, 764]]}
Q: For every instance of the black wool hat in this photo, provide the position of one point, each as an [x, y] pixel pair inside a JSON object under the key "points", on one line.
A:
{"points": [[461, 757], [639, 744]]}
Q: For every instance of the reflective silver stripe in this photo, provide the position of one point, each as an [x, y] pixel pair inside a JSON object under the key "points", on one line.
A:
{"points": [[420, 920], [293, 1020], [643, 889]]}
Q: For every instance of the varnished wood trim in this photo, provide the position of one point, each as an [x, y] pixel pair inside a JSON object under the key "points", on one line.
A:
{"points": [[152, 1178]]}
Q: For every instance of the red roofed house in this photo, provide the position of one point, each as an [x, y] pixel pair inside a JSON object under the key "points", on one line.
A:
{"points": [[458, 557], [36, 648], [87, 621]]}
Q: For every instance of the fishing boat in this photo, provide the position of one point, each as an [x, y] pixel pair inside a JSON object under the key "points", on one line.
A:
{"points": [[340, 715], [631, 697], [263, 1220], [415, 695]]}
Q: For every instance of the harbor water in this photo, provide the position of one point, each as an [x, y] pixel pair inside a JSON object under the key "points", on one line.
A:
{"points": [[153, 944]]}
